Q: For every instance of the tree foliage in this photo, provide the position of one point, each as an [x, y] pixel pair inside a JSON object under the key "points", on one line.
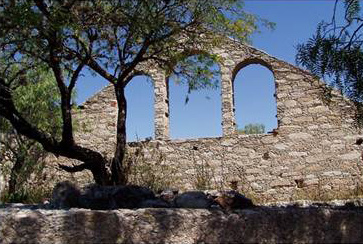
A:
{"points": [[253, 129], [113, 39], [335, 51], [37, 100]]}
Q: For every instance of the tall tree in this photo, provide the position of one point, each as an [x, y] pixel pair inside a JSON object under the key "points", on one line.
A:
{"points": [[335, 52], [111, 38]]}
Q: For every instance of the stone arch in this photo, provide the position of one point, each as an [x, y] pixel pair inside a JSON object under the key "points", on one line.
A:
{"points": [[161, 97], [238, 67], [254, 76], [249, 61]]}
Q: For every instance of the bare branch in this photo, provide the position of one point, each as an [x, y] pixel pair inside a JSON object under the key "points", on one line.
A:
{"points": [[75, 76], [353, 35], [98, 69]]}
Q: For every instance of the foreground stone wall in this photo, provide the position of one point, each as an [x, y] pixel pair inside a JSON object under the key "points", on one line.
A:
{"points": [[312, 153], [261, 225]]}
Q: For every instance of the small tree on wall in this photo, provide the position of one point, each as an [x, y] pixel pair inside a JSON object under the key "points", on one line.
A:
{"points": [[112, 39]]}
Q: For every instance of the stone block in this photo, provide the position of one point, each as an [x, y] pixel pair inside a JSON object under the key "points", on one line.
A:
{"points": [[295, 111], [253, 171], [294, 77], [311, 182], [318, 109], [298, 154], [292, 173], [300, 136], [256, 187], [270, 139], [313, 127], [281, 146], [250, 178], [229, 142], [303, 119], [316, 158], [290, 103], [280, 183], [332, 173], [350, 156], [281, 95], [244, 151], [337, 147]]}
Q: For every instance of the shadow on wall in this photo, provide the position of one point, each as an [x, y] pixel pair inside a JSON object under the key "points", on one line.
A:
{"points": [[141, 226], [282, 225], [262, 224], [22, 227], [93, 227]]}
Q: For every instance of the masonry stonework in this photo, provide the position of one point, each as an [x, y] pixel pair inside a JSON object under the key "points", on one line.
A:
{"points": [[260, 225], [313, 146]]}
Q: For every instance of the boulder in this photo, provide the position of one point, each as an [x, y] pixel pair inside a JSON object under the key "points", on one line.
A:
{"points": [[193, 199], [131, 196], [168, 195], [233, 200], [114, 197], [65, 195], [154, 203]]}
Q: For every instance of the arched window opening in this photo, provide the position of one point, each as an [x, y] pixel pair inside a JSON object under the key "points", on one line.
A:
{"points": [[140, 109], [254, 99], [195, 113]]}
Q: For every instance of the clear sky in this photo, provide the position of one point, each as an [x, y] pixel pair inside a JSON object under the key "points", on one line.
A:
{"points": [[296, 21]]}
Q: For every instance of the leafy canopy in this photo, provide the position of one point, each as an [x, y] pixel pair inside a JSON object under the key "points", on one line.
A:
{"points": [[36, 98], [112, 37], [335, 51], [114, 40], [253, 129]]}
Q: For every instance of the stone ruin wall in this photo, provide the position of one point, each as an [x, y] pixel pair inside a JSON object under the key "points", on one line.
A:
{"points": [[313, 149], [260, 225]]}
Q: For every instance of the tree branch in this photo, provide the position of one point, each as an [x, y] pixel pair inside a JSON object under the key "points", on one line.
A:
{"points": [[74, 168], [98, 69], [353, 35], [75, 76], [50, 144]]}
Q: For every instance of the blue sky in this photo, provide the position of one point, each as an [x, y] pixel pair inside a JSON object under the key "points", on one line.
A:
{"points": [[296, 21]]}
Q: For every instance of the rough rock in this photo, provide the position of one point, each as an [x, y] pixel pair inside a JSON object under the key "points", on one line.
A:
{"points": [[154, 203], [193, 199], [168, 195], [65, 195], [257, 225], [233, 200]]}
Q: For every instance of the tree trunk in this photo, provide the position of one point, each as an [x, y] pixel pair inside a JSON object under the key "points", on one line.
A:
{"points": [[15, 170], [117, 169], [99, 171], [92, 160]]}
